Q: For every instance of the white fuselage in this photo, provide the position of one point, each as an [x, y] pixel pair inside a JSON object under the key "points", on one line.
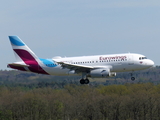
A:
{"points": [[114, 62]]}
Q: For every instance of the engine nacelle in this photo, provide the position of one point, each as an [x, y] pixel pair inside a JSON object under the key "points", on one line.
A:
{"points": [[99, 73], [71, 72]]}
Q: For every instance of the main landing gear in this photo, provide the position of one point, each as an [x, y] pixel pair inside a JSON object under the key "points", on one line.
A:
{"points": [[84, 81]]}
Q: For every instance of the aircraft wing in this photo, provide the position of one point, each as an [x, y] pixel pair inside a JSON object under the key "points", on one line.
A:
{"points": [[76, 67]]}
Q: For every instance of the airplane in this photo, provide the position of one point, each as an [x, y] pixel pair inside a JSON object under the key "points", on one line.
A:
{"points": [[97, 66]]}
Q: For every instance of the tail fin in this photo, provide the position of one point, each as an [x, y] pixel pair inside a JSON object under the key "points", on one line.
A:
{"points": [[21, 50], [26, 59]]}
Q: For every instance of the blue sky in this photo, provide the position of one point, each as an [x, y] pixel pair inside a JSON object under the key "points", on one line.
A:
{"points": [[81, 27]]}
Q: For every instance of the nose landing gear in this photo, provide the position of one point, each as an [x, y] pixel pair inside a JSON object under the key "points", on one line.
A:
{"points": [[132, 78]]}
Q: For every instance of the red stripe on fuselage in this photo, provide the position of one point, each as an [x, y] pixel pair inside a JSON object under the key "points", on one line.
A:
{"points": [[30, 60]]}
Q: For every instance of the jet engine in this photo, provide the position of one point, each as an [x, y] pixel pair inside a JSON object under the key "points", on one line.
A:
{"points": [[72, 73], [98, 73]]}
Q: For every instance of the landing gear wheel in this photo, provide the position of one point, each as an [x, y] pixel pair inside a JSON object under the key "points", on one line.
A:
{"points": [[132, 78], [86, 81], [82, 81]]}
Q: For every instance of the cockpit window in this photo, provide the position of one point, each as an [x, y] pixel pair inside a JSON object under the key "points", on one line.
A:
{"points": [[142, 58]]}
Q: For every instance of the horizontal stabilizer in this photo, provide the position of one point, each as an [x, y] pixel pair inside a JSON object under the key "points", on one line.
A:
{"points": [[18, 65]]}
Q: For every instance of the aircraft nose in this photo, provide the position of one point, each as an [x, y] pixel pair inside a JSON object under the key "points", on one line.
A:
{"points": [[150, 63]]}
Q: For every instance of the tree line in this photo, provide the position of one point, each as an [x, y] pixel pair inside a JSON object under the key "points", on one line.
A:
{"points": [[29, 96], [83, 102], [31, 80]]}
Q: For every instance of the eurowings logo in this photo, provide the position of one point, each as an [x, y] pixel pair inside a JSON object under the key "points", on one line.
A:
{"points": [[112, 58]]}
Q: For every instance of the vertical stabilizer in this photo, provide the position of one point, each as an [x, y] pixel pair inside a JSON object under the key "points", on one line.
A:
{"points": [[21, 50], [26, 59]]}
